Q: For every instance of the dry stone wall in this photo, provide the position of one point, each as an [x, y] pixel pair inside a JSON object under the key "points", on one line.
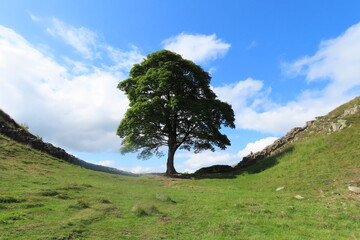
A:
{"points": [[269, 150], [324, 124], [13, 130]]}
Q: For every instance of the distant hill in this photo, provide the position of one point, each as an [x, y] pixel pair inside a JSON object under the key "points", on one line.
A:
{"points": [[10, 128]]}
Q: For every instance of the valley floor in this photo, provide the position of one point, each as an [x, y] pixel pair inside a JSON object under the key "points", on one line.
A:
{"points": [[45, 198]]}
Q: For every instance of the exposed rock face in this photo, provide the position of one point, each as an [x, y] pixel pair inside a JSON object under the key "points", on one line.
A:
{"points": [[13, 130], [339, 125], [215, 169], [353, 110]]}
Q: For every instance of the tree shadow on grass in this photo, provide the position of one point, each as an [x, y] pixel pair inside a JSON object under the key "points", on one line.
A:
{"points": [[255, 168]]}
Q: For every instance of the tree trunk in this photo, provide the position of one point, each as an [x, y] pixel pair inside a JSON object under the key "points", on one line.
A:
{"points": [[170, 169]]}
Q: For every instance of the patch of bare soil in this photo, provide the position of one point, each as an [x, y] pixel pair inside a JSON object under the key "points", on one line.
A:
{"points": [[167, 181]]}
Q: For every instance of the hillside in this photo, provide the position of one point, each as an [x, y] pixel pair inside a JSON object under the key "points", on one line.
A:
{"points": [[299, 191], [339, 119], [10, 128]]}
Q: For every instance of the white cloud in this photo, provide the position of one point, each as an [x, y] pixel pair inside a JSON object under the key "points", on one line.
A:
{"points": [[238, 94], [337, 62], [140, 169], [208, 158], [87, 43], [256, 146], [76, 67], [189, 170], [252, 45], [254, 110], [76, 107], [198, 48], [34, 18], [136, 170], [82, 39], [124, 59], [107, 163]]}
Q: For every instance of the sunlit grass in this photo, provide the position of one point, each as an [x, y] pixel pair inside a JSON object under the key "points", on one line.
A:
{"points": [[45, 198]]}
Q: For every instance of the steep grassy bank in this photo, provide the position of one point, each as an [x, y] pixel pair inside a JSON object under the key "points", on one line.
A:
{"points": [[42, 197]]}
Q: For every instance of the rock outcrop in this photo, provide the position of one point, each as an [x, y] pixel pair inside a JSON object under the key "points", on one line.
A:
{"points": [[355, 109], [325, 124], [10, 128]]}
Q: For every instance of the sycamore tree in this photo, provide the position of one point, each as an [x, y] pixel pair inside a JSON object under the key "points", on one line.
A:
{"points": [[171, 105]]}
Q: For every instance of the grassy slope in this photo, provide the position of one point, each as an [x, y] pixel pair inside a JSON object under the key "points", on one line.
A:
{"points": [[44, 198]]}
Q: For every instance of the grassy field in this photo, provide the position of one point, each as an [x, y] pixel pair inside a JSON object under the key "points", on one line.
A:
{"points": [[45, 198]]}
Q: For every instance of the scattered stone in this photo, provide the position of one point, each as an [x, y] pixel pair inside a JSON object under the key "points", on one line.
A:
{"points": [[280, 188], [353, 110], [299, 197], [354, 189], [164, 198], [337, 126], [161, 197]]}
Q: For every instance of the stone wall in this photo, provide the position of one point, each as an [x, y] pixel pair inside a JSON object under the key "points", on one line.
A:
{"points": [[10, 128], [271, 149], [321, 124]]}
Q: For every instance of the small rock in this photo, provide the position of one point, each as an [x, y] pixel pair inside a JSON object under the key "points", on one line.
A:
{"points": [[339, 125], [299, 197], [292, 207], [354, 189], [353, 110], [279, 188]]}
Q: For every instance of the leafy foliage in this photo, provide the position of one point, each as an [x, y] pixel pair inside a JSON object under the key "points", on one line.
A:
{"points": [[172, 104]]}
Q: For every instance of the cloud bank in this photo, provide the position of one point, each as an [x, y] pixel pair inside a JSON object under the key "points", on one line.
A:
{"points": [[73, 105]]}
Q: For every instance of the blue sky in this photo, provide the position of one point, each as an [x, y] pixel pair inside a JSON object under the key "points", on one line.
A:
{"points": [[279, 63]]}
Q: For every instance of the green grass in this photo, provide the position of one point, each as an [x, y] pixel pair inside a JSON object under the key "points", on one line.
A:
{"points": [[45, 198]]}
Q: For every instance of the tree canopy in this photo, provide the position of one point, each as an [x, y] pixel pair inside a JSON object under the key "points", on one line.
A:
{"points": [[171, 104]]}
